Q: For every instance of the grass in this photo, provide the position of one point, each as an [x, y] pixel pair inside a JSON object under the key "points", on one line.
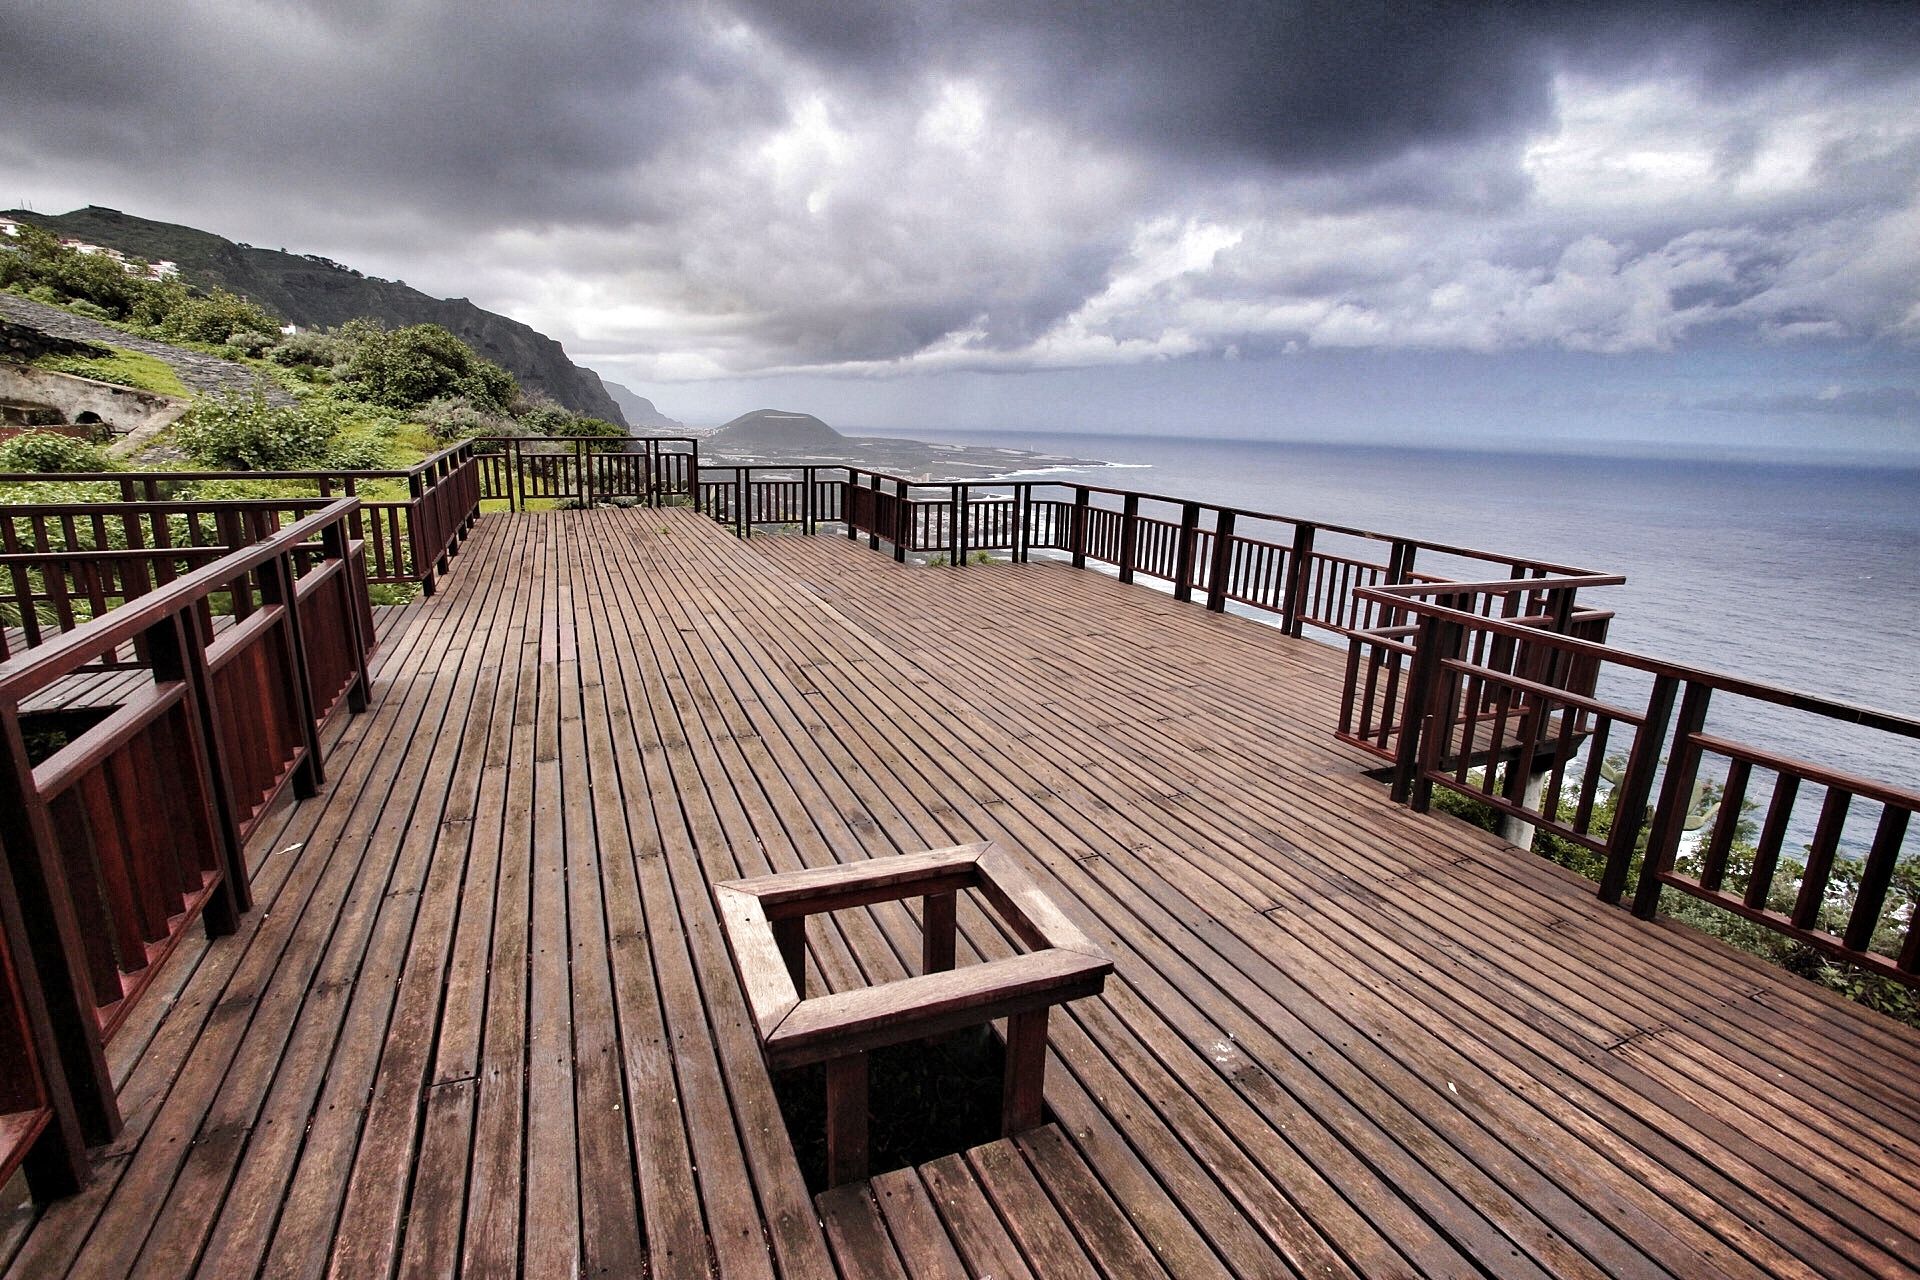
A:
{"points": [[123, 368]]}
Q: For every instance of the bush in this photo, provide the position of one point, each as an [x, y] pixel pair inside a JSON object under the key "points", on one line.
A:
{"points": [[36, 263], [410, 367], [50, 452], [363, 450], [311, 348], [245, 431], [580, 427], [451, 418], [220, 317]]}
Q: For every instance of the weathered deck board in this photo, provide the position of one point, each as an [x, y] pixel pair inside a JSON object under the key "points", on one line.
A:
{"points": [[483, 1019]]}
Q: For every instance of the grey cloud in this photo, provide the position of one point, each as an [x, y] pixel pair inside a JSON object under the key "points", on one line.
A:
{"points": [[574, 160], [1327, 84], [479, 114]]}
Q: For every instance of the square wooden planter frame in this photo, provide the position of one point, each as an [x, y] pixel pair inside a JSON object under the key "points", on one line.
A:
{"points": [[765, 919]]}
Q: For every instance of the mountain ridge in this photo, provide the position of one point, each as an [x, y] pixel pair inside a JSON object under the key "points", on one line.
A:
{"points": [[314, 292]]}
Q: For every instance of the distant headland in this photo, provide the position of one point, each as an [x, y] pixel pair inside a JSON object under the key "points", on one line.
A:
{"points": [[784, 437]]}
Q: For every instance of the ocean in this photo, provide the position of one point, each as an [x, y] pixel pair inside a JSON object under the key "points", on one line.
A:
{"points": [[1794, 573]]}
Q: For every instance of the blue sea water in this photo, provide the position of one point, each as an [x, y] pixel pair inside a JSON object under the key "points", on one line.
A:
{"points": [[1780, 570]]}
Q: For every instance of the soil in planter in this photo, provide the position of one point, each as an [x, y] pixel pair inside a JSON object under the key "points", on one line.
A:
{"points": [[927, 1099]]}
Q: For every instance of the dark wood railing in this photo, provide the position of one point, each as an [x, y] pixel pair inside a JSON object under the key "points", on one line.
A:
{"points": [[409, 541], [650, 470], [1308, 573], [121, 829], [1500, 707]]}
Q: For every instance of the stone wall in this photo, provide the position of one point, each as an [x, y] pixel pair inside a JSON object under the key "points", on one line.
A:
{"points": [[123, 409]]}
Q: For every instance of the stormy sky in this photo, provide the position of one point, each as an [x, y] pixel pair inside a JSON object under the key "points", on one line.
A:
{"points": [[1349, 220]]}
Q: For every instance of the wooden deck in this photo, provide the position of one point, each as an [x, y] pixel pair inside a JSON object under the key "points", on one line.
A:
{"points": [[482, 1018]]}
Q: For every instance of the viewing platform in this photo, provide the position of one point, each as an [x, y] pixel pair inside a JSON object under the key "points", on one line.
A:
{"points": [[479, 1016]]}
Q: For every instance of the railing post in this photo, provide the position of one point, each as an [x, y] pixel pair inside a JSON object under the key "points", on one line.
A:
{"points": [[873, 512], [1434, 642], [1022, 514], [1077, 539], [52, 939], [1222, 566], [56, 1164], [1636, 784], [806, 500], [1676, 793], [848, 505], [1183, 551], [1129, 535], [957, 528], [902, 520], [1299, 576]]}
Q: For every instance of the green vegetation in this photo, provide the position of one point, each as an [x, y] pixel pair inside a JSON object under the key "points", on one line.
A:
{"points": [[1903, 899], [97, 285], [51, 452], [411, 367], [123, 368], [245, 431], [368, 397]]}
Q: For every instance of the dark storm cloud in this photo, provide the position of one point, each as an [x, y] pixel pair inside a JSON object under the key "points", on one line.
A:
{"points": [[481, 113], [1332, 84], [710, 186]]}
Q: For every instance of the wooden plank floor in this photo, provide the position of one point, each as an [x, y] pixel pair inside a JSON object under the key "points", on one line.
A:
{"points": [[483, 1020]]}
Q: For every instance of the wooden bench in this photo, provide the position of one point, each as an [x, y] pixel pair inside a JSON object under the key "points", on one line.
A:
{"points": [[766, 921]]}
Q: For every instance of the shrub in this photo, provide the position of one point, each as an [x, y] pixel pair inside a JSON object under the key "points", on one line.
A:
{"points": [[363, 450], [580, 427], [410, 367], [35, 262], [50, 452], [247, 432], [220, 317], [91, 310], [311, 348], [451, 418]]}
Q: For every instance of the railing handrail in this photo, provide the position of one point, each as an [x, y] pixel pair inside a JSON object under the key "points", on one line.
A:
{"points": [[421, 467], [35, 669], [1239, 513], [1719, 681], [173, 506]]}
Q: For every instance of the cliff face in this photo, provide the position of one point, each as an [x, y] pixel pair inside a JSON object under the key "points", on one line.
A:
{"points": [[641, 415], [313, 292]]}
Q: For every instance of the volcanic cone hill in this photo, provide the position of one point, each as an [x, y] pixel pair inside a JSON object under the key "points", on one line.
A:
{"points": [[777, 431]]}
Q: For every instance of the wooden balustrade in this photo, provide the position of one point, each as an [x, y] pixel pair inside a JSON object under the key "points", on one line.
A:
{"points": [[1500, 708], [408, 541], [520, 470], [119, 837]]}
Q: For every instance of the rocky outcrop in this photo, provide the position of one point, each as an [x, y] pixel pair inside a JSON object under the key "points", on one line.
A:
{"points": [[315, 292]]}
